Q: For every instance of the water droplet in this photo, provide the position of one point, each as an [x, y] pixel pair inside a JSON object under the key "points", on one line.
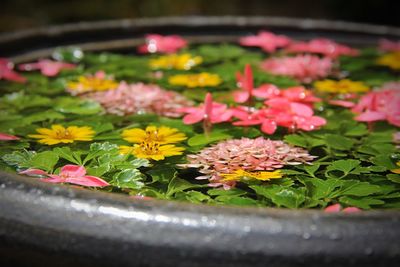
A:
{"points": [[334, 236], [306, 236], [368, 251], [2, 186]]}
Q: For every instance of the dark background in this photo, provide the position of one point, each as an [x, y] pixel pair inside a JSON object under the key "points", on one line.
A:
{"points": [[22, 14]]}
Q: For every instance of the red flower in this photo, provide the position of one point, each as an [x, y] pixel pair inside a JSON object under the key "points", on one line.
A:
{"points": [[156, 43], [7, 73]]}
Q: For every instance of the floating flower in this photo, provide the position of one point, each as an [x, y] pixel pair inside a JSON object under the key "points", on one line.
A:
{"points": [[7, 73], [8, 137], [379, 105], [203, 79], [139, 98], [174, 61], [47, 67], [305, 68], [337, 208], [71, 174], [341, 87], [389, 46], [267, 41], [396, 170], [249, 155], [152, 150], [209, 111], [391, 60], [161, 135], [156, 43], [260, 175], [322, 46], [59, 134], [98, 82], [290, 108]]}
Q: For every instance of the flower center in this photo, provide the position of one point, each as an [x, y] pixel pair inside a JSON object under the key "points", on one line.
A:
{"points": [[64, 134], [150, 148]]}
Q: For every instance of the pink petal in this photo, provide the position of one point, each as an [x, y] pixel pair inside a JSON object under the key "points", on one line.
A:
{"points": [[301, 109], [34, 172], [72, 171], [194, 117], [333, 208], [268, 126], [371, 116], [342, 103], [8, 137], [208, 106], [53, 179], [248, 77], [351, 210], [241, 96], [87, 181]]}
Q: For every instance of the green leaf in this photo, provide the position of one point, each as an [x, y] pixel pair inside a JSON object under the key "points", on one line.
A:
{"points": [[395, 178], [338, 142], [222, 192], [385, 161], [44, 161], [79, 107], [311, 169], [282, 196], [202, 139], [363, 203], [357, 188], [66, 153], [236, 200], [129, 178], [323, 188], [177, 185], [20, 159], [162, 174], [341, 168]]}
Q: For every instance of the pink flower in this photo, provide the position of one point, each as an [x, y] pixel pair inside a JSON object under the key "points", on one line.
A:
{"points": [[379, 105], [210, 111], [391, 86], [290, 108], [322, 46], [244, 154], [47, 67], [8, 137], [7, 73], [72, 174], [156, 43], [140, 98], [305, 68], [342, 103], [267, 41], [334, 208], [388, 45]]}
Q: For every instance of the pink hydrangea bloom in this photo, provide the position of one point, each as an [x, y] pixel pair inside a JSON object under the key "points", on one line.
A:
{"points": [[305, 68], [388, 45], [7, 73], [267, 41], [72, 174], [8, 137], [322, 46], [47, 67], [140, 98], [156, 43], [378, 106], [258, 154], [210, 111]]}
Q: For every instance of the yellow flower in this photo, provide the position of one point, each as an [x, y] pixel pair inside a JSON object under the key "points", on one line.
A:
{"points": [[151, 150], [97, 82], [391, 60], [161, 135], [174, 61], [203, 79], [59, 134], [259, 175], [341, 87], [396, 170]]}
